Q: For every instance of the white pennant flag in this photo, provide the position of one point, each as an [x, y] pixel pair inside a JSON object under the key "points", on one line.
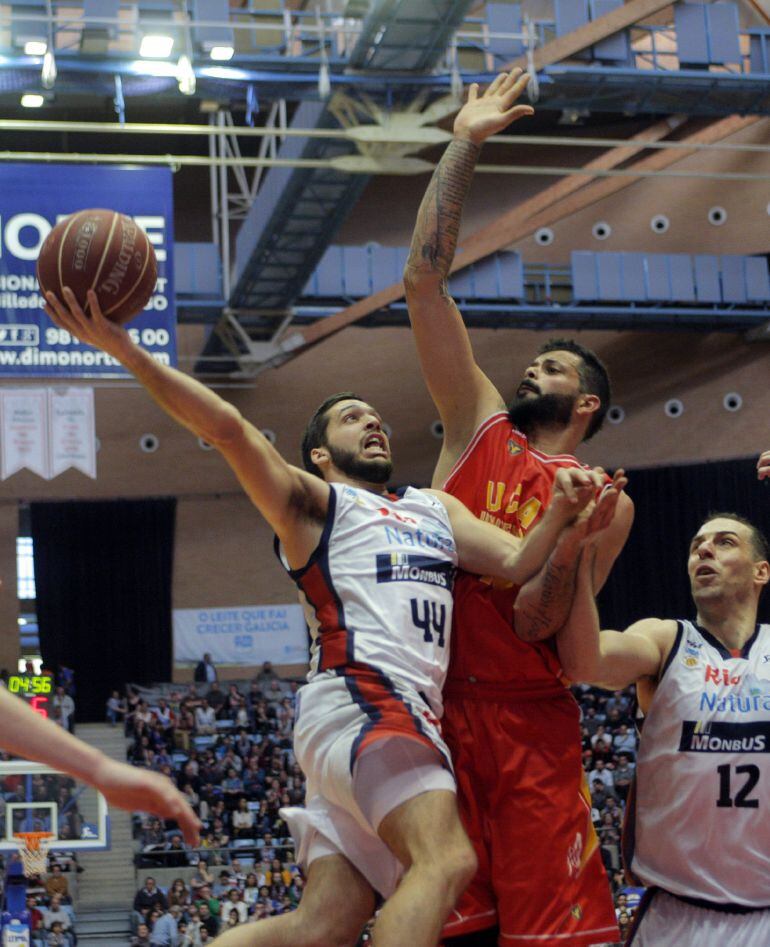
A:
{"points": [[24, 431], [73, 439]]}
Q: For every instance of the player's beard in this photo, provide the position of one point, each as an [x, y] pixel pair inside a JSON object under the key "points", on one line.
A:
{"points": [[543, 411], [367, 469]]}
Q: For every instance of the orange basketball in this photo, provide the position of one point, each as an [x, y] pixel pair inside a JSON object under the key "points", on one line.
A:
{"points": [[101, 250]]}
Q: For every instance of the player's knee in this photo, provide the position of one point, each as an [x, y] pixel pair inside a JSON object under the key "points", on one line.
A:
{"points": [[330, 929], [457, 864], [465, 865]]}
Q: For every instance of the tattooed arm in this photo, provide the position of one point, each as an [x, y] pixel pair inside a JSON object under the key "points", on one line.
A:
{"points": [[544, 604], [462, 393]]}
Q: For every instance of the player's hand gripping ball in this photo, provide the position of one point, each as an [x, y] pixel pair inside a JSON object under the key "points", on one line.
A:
{"points": [[104, 251]]}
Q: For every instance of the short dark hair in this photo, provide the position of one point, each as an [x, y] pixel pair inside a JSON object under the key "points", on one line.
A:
{"points": [[315, 432], [594, 379], [759, 541]]}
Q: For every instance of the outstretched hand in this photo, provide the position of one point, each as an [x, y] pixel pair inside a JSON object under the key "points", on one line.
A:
{"points": [[598, 516], [494, 109], [140, 790], [763, 465], [573, 489], [93, 329]]}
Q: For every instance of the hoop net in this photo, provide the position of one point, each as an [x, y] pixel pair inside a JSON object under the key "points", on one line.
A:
{"points": [[33, 851]]}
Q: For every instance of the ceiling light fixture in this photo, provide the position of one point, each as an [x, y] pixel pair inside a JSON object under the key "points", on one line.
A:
{"points": [[32, 100], [221, 53], [156, 46], [35, 47]]}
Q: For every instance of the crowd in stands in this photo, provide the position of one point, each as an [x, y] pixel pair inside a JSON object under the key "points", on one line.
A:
{"points": [[229, 750], [609, 742]]}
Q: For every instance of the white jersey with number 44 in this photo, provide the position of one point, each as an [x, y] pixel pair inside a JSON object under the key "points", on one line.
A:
{"points": [[702, 814], [378, 588]]}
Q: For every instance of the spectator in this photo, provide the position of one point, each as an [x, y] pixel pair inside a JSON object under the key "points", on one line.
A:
{"points": [[234, 701], [623, 777], [609, 839], [36, 925], [223, 886], [56, 914], [205, 718], [624, 741], [251, 890], [185, 937], [216, 699], [115, 708], [201, 877], [601, 742], [57, 936], [602, 773], [178, 894], [211, 901], [266, 676], [66, 704], [149, 897], [243, 820], [164, 931], [185, 725], [57, 884], [205, 670], [624, 923], [142, 936], [207, 920], [153, 836], [175, 855], [234, 902]]}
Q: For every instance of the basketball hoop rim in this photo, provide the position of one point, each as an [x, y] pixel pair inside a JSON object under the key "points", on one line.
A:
{"points": [[32, 840]]}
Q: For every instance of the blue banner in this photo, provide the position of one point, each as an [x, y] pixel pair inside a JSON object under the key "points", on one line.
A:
{"points": [[33, 198]]}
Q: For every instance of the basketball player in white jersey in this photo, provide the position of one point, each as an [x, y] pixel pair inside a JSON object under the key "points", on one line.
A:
{"points": [[698, 828], [375, 572]]}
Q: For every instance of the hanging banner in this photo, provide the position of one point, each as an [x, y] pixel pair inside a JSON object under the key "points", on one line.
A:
{"points": [[33, 198], [71, 423], [241, 635], [24, 431]]}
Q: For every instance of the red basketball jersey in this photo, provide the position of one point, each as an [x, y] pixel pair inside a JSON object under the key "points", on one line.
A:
{"points": [[504, 481]]}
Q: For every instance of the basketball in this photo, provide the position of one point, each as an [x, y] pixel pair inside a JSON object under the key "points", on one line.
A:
{"points": [[101, 250]]}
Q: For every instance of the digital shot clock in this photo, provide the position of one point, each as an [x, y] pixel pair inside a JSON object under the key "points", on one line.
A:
{"points": [[36, 688]]}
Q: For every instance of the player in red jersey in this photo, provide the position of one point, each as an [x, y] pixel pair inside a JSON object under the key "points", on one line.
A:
{"points": [[510, 721]]}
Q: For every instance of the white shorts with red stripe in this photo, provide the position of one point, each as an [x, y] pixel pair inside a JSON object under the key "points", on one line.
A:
{"points": [[366, 745]]}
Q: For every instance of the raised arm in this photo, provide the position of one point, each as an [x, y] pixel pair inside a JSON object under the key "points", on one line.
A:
{"points": [[284, 494], [609, 659], [462, 393]]}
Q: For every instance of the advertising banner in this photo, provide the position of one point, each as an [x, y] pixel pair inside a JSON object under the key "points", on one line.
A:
{"points": [[33, 198], [241, 635]]}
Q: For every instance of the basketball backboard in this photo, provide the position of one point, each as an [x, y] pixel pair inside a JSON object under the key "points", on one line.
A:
{"points": [[36, 798]]}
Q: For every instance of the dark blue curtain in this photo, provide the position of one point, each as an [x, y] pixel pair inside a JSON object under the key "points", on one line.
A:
{"points": [[649, 579], [103, 573]]}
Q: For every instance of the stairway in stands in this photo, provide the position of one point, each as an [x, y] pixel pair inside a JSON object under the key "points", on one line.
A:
{"points": [[106, 887]]}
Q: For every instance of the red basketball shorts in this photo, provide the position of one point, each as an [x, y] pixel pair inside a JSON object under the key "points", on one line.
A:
{"points": [[525, 805]]}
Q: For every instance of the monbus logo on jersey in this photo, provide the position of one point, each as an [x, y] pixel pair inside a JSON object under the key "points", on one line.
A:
{"points": [[724, 737], [407, 567]]}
